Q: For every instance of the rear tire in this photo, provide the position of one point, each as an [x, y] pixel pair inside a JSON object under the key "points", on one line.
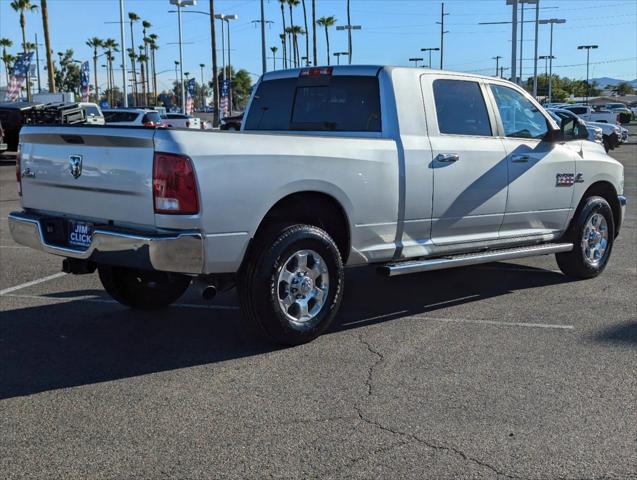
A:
{"points": [[291, 285], [142, 289], [592, 233]]}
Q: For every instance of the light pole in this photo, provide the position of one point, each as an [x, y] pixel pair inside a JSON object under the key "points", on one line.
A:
{"points": [[551, 21], [177, 73], [227, 18], [122, 37], [203, 98], [497, 64], [546, 65], [180, 4], [349, 29], [416, 60], [338, 56], [434, 49], [588, 56]]}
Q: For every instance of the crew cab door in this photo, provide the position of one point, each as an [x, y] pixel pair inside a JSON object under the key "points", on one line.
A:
{"points": [[541, 173], [469, 162]]}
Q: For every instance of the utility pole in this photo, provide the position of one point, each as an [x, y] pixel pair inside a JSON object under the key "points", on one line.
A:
{"points": [[514, 41], [263, 65], [215, 77], [434, 49], [37, 62], [349, 33], [588, 57], [314, 54], [537, 25], [497, 64], [442, 32], [521, 38]]}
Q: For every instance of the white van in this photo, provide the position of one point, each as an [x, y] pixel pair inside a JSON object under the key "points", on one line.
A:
{"points": [[92, 113]]}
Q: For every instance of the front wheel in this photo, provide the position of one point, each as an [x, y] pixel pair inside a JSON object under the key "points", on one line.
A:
{"points": [[292, 286], [142, 289], [592, 233]]}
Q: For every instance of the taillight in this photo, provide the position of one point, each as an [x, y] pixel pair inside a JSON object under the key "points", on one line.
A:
{"points": [[174, 185], [315, 71], [150, 124], [18, 171]]}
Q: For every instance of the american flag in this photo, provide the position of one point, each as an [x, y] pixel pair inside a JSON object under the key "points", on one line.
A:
{"points": [[224, 102], [190, 96], [20, 70], [85, 80]]}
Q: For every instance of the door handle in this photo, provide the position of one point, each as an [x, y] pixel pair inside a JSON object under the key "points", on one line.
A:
{"points": [[520, 158], [447, 157]]}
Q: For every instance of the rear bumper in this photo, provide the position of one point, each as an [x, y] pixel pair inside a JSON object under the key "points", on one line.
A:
{"points": [[174, 252]]}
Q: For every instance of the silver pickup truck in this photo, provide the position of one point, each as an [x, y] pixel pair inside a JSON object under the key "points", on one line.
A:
{"points": [[409, 169]]}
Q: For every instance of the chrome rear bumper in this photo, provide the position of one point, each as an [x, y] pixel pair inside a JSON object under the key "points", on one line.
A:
{"points": [[173, 252]]}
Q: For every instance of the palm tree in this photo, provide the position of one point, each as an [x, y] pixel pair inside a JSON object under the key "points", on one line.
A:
{"points": [[314, 32], [23, 6], [146, 25], [153, 48], [4, 43], [110, 45], [95, 43], [294, 33], [327, 22], [291, 5], [285, 59], [132, 18], [47, 45], [143, 59], [307, 39], [274, 50], [349, 34]]}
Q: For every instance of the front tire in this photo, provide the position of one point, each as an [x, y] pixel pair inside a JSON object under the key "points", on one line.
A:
{"points": [[592, 233], [292, 284], [142, 289]]}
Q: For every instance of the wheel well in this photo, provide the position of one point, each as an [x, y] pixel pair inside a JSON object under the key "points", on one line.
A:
{"points": [[608, 193], [312, 208]]}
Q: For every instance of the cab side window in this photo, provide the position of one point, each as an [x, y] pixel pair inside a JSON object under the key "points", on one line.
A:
{"points": [[520, 118], [460, 108]]}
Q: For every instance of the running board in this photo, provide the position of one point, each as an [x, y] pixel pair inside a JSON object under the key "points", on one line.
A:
{"points": [[426, 265]]}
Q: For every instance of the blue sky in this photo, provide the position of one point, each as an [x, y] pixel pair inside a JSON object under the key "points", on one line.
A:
{"points": [[392, 32]]}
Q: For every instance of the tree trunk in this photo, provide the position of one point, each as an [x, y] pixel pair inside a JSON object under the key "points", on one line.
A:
{"points": [[97, 98], [327, 41], [314, 32], [132, 62], [307, 35], [47, 45], [349, 34], [285, 58]]}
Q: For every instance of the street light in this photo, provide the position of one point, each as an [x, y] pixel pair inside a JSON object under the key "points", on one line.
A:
{"points": [[588, 54], [338, 56], [227, 18], [546, 59], [416, 60], [180, 4], [551, 21], [349, 29], [497, 64], [435, 49]]}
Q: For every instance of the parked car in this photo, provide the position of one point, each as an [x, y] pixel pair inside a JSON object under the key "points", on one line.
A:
{"points": [[3, 146], [179, 120], [453, 170], [132, 117], [625, 113], [93, 113], [610, 132], [231, 123], [12, 116], [588, 114]]}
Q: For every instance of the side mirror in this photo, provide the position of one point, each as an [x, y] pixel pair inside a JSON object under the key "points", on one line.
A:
{"points": [[582, 131], [554, 136]]}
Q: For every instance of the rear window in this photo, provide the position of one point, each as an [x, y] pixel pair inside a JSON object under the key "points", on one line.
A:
{"points": [[460, 108], [115, 117], [91, 110], [337, 103], [577, 110], [152, 117]]}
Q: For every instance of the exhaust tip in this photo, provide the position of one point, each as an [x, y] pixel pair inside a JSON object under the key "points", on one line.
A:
{"points": [[209, 292]]}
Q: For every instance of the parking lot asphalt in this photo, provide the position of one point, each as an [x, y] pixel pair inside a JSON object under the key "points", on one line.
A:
{"points": [[505, 370]]}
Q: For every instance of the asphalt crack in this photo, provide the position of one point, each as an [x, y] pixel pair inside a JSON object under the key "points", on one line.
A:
{"points": [[369, 383]]}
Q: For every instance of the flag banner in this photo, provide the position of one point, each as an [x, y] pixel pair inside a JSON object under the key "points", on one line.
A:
{"points": [[20, 72], [190, 96], [224, 101], [85, 80]]}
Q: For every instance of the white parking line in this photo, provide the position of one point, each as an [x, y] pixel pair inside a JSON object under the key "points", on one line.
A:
{"points": [[497, 323], [12, 246], [106, 300], [31, 283]]}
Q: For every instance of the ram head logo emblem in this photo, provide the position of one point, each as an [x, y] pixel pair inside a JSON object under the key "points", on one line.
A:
{"points": [[75, 165]]}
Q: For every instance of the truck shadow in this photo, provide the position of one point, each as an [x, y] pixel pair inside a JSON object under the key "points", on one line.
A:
{"points": [[74, 343]]}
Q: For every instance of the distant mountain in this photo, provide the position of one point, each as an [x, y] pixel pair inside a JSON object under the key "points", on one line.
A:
{"points": [[603, 82]]}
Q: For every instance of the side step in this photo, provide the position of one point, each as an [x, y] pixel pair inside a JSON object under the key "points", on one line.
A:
{"points": [[426, 265]]}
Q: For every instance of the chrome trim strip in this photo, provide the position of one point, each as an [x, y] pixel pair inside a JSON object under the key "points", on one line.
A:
{"points": [[426, 265], [181, 252]]}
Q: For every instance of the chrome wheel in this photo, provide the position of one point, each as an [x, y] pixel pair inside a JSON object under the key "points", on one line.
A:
{"points": [[302, 286], [595, 239]]}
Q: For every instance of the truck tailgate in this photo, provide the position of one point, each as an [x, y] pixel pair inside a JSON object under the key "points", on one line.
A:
{"points": [[97, 173]]}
